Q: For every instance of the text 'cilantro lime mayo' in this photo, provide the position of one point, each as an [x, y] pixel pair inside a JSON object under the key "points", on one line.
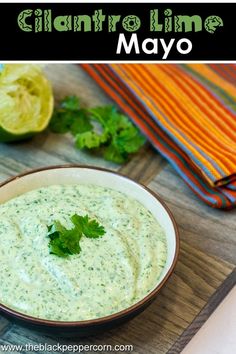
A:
{"points": [[110, 274]]}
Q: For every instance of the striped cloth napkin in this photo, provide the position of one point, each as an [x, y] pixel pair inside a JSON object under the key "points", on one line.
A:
{"points": [[188, 114]]}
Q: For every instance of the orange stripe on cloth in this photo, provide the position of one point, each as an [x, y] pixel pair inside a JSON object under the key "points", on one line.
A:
{"points": [[216, 134], [206, 72]]}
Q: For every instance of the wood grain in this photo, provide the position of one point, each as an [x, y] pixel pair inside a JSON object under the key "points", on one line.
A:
{"points": [[144, 166], [5, 325], [208, 243]]}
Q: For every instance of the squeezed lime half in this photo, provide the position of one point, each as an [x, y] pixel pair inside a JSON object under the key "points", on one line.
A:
{"points": [[26, 101]]}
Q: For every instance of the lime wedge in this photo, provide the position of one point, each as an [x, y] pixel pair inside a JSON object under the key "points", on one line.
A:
{"points": [[26, 101]]}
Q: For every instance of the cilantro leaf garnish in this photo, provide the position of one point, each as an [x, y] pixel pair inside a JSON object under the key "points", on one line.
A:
{"points": [[90, 228], [102, 130], [64, 242], [69, 117], [89, 140]]}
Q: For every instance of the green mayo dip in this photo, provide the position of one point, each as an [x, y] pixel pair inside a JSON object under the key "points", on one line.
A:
{"points": [[110, 274]]}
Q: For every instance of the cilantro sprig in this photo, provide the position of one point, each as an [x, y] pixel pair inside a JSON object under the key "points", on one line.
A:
{"points": [[102, 130], [64, 242]]}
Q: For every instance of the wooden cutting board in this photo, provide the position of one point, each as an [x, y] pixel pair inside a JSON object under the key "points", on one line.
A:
{"points": [[204, 273]]}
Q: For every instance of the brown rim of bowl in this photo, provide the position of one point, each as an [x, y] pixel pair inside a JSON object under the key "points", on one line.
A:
{"points": [[116, 315]]}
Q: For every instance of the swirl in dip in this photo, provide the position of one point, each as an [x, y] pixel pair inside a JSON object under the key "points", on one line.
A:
{"points": [[110, 274]]}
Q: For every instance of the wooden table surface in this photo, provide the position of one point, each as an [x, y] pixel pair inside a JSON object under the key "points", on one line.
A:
{"points": [[204, 272]]}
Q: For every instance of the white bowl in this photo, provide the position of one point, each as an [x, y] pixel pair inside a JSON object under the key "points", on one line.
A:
{"points": [[72, 174]]}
